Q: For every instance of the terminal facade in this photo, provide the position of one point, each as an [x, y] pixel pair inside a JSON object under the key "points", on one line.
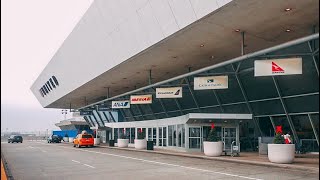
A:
{"points": [[174, 68]]}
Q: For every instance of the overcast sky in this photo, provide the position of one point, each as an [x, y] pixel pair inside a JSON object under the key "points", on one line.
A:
{"points": [[31, 32]]}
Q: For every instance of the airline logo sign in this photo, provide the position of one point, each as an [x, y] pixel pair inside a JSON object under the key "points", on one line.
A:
{"points": [[120, 104], [276, 67], [174, 92], [85, 113], [211, 82], [103, 108], [143, 99]]}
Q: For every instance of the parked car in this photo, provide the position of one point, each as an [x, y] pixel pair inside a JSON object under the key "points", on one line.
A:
{"points": [[54, 139], [15, 138], [83, 140]]}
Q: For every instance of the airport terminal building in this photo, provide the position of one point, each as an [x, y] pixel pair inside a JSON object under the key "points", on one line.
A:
{"points": [[173, 67]]}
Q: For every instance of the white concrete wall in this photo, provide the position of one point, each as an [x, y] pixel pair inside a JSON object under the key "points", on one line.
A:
{"points": [[111, 32]]}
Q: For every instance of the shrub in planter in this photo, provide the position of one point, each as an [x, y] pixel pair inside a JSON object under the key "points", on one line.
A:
{"points": [[123, 141], [141, 142], [213, 146], [282, 150]]}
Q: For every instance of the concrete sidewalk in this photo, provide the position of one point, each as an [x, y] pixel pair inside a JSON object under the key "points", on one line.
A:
{"points": [[306, 162]]}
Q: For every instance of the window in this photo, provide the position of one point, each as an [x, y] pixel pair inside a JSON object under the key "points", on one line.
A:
{"points": [[49, 85], [42, 90], [86, 136], [52, 84], [45, 89], [55, 80], [41, 93]]}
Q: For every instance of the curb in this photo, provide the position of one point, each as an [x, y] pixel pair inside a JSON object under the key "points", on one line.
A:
{"points": [[5, 169], [266, 164]]}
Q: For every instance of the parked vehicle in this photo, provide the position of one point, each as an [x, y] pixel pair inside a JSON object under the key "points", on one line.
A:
{"points": [[54, 139], [15, 138], [83, 140]]}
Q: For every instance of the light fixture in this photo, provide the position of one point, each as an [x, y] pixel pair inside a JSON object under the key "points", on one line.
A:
{"points": [[287, 9], [237, 30], [288, 30], [202, 45]]}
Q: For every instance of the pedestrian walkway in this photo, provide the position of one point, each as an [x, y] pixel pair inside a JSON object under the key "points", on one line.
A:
{"points": [[307, 162]]}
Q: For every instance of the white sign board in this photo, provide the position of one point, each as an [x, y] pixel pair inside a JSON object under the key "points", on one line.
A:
{"points": [[278, 67], [173, 92], [211, 82], [142, 99], [120, 104]]}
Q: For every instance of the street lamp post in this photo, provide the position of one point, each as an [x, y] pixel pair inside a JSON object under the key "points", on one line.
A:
{"points": [[64, 111]]}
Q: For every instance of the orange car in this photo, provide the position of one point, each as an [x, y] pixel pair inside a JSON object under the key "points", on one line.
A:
{"points": [[83, 140]]}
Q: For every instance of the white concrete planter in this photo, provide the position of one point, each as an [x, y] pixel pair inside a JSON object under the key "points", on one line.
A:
{"points": [[66, 139], [96, 141], [123, 143], [281, 153], [212, 148], [140, 143], [71, 139]]}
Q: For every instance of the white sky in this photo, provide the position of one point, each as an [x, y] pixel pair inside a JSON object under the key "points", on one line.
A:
{"points": [[31, 32]]}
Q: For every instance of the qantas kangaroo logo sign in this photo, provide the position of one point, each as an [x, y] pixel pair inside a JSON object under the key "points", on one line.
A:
{"points": [[278, 67]]}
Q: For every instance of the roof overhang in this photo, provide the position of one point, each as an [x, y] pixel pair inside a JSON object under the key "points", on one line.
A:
{"points": [[208, 41]]}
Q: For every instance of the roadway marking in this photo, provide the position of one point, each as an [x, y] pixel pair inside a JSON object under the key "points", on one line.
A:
{"points": [[167, 164], [36, 148], [82, 164], [88, 165]]}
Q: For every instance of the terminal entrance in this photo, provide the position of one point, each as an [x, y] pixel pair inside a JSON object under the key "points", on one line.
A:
{"points": [[229, 135]]}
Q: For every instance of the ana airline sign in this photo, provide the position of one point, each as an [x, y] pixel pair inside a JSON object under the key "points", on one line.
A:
{"points": [[173, 92], [211, 82], [276, 67], [120, 104], [142, 99]]}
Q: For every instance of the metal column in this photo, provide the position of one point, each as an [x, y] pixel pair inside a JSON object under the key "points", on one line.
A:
{"points": [[314, 129], [286, 112], [192, 94], [246, 100]]}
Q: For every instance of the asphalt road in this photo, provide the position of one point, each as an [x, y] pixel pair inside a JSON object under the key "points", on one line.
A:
{"points": [[40, 160]]}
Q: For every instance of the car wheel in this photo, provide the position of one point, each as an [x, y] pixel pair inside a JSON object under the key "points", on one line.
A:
{"points": [[74, 145]]}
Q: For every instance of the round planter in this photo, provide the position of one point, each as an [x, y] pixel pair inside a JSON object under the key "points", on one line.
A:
{"points": [[96, 141], [140, 143], [71, 139], [122, 143], [66, 139], [281, 153], [212, 148]]}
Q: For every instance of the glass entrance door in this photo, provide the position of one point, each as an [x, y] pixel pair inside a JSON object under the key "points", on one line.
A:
{"points": [[229, 135]]}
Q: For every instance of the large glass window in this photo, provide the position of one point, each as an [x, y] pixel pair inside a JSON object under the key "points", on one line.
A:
{"points": [[180, 132], [162, 136], [170, 135], [154, 135], [194, 137], [115, 135], [132, 135]]}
